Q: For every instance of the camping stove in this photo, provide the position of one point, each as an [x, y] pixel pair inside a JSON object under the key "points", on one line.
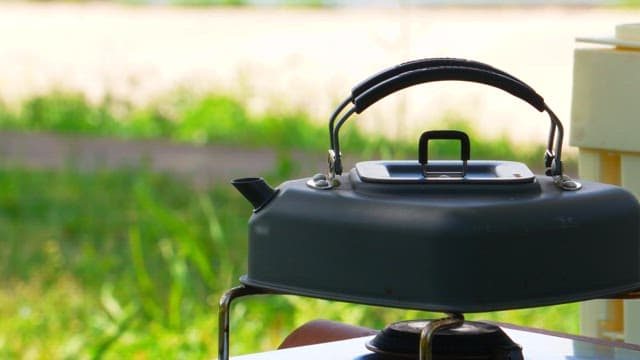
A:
{"points": [[448, 338]]}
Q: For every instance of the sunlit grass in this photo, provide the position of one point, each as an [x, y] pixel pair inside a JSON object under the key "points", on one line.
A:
{"points": [[99, 259]]}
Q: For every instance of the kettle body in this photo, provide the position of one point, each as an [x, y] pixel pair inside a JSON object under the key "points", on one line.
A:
{"points": [[453, 250], [453, 236]]}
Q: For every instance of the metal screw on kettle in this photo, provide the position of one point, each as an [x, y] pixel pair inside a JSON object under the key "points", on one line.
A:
{"points": [[320, 181], [566, 183]]}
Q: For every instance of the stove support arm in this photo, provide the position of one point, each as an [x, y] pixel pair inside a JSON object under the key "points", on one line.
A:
{"points": [[224, 312], [432, 327]]}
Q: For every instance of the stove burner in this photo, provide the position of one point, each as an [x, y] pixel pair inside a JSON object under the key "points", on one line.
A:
{"points": [[470, 341]]}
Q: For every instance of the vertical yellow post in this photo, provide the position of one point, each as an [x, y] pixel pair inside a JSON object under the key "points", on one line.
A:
{"points": [[601, 318], [605, 125], [631, 181]]}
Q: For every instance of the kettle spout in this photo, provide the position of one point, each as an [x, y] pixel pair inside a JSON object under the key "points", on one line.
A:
{"points": [[256, 190]]}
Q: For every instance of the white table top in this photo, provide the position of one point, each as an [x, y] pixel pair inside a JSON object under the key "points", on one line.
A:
{"points": [[536, 346]]}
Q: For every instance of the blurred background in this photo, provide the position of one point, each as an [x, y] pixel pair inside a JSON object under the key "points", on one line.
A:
{"points": [[121, 124]]}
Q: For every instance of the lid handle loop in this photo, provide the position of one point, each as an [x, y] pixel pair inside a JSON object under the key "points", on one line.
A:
{"points": [[423, 150]]}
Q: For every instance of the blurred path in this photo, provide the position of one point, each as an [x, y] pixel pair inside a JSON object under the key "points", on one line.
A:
{"points": [[300, 58], [204, 165]]}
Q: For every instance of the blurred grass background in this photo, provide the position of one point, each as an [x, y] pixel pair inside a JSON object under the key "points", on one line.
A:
{"points": [[130, 263]]}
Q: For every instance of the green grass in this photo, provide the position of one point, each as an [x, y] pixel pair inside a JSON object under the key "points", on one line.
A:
{"points": [[128, 263], [113, 262]]}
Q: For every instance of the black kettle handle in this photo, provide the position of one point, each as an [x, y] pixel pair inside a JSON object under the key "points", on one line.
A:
{"points": [[393, 71], [369, 92], [422, 64], [447, 73]]}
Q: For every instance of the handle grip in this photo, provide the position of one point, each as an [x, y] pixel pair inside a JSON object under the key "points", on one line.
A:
{"points": [[410, 66], [445, 73], [424, 64]]}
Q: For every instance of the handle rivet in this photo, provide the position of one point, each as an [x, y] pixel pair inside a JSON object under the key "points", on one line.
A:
{"points": [[321, 182]]}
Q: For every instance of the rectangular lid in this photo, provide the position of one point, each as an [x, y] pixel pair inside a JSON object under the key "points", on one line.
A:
{"points": [[445, 171]]}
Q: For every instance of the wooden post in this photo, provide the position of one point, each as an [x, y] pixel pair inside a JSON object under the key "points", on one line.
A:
{"points": [[605, 126]]}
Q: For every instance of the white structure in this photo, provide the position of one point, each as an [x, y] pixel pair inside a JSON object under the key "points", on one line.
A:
{"points": [[605, 125]]}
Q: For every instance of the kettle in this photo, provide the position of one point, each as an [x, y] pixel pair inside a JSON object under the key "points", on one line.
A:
{"points": [[450, 236]]}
